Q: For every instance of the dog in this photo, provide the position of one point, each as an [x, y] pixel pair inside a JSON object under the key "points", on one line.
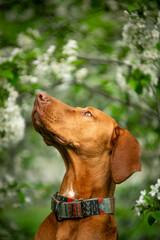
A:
{"points": [[98, 154]]}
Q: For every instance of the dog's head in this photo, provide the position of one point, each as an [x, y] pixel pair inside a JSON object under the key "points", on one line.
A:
{"points": [[89, 133]]}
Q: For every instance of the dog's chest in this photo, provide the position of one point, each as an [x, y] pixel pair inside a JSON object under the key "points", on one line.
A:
{"points": [[87, 229]]}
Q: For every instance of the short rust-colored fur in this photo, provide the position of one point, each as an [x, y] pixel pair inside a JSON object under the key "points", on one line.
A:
{"points": [[97, 154]]}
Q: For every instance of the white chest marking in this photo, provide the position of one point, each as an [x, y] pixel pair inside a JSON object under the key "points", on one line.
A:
{"points": [[70, 193]]}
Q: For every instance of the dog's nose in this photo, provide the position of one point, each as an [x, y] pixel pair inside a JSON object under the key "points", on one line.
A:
{"points": [[42, 97]]}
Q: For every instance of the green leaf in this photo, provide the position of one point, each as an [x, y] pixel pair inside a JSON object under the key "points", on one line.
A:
{"points": [[24, 88], [2, 133], [138, 80], [13, 185], [104, 83], [79, 62], [3, 96], [31, 54], [156, 215], [25, 185], [21, 196], [29, 87], [132, 8], [6, 74], [148, 200], [158, 46], [13, 81], [146, 211], [78, 88], [139, 89], [133, 83], [146, 78], [35, 86], [151, 220]]}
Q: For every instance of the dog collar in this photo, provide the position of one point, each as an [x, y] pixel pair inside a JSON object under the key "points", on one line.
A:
{"points": [[68, 208]]}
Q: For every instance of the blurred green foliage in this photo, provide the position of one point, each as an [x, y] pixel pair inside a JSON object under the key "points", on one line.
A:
{"points": [[27, 179]]}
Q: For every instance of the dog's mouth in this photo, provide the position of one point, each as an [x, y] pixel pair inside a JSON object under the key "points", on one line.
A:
{"points": [[50, 137]]}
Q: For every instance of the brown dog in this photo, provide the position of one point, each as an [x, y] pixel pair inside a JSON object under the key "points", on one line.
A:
{"points": [[98, 154]]}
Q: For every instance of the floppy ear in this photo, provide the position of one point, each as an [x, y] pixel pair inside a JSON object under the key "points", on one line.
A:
{"points": [[125, 158]]}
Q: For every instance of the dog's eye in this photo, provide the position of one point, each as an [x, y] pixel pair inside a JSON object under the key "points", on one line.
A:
{"points": [[88, 114]]}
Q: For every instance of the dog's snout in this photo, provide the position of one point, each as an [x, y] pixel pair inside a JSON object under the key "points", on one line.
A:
{"points": [[42, 97]]}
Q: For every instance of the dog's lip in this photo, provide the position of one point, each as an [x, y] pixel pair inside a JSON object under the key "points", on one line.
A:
{"points": [[59, 139], [36, 119], [53, 135]]}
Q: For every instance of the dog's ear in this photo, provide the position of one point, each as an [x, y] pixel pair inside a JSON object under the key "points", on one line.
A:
{"points": [[125, 158]]}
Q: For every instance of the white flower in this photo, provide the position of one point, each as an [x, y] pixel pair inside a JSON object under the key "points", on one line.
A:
{"points": [[66, 77], [12, 123], [141, 201], [70, 48], [28, 79], [24, 41], [143, 192], [35, 62], [137, 211], [10, 179], [120, 77], [82, 73], [33, 32], [72, 44], [154, 189], [157, 185], [28, 199], [140, 25], [15, 52], [8, 54], [63, 70], [46, 65], [51, 49], [150, 54], [135, 32], [71, 59], [158, 182], [126, 14], [155, 34], [33, 79]]}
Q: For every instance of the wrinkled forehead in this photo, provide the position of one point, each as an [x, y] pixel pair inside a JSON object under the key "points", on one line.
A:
{"points": [[103, 122], [100, 117]]}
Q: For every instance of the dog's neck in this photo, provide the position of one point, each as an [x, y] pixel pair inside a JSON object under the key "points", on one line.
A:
{"points": [[86, 177]]}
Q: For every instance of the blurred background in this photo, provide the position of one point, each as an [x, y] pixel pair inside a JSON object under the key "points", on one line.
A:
{"points": [[103, 54]]}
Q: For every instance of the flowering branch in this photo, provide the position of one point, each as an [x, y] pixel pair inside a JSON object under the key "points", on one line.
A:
{"points": [[120, 63], [104, 94], [103, 61], [149, 204]]}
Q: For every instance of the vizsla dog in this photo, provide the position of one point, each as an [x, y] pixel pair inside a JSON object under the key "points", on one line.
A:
{"points": [[98, 154]]}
